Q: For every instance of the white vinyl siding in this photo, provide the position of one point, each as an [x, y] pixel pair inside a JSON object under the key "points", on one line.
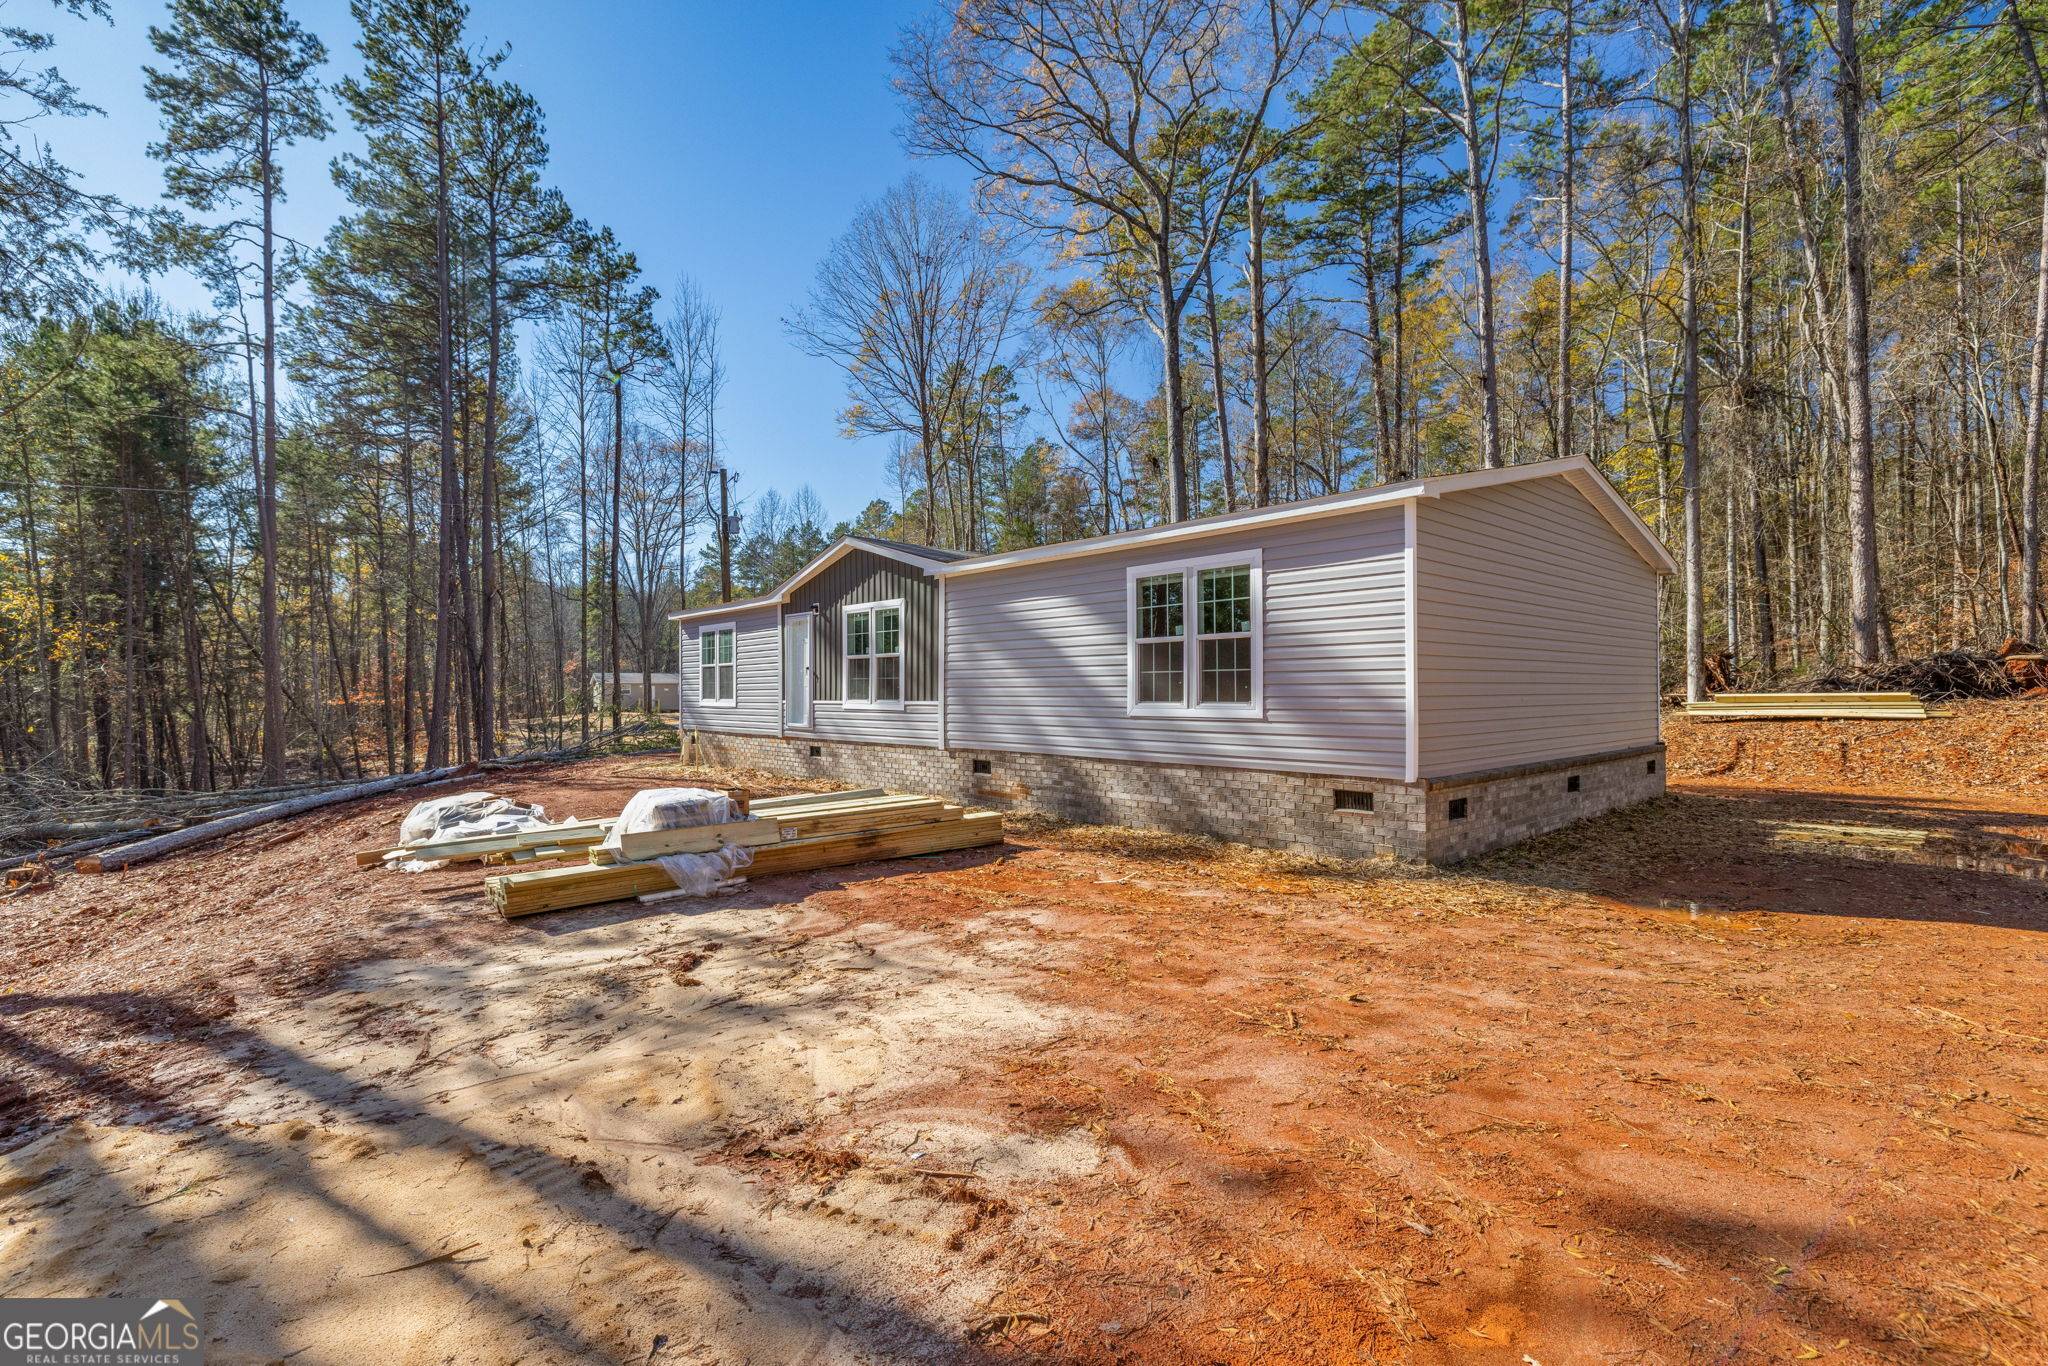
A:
{"points": [[1536, 628], [1038, 657], [756, 708]]}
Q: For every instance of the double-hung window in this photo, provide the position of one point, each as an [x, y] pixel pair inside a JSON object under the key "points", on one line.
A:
{"points": [[874, 655], [1195, 632], [717, 674]]}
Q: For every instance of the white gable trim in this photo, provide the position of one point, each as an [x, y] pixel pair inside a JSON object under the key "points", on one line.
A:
{"points": [[840, 548]]}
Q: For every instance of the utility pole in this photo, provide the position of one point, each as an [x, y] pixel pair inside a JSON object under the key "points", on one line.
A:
{"points": [[724, 537]]}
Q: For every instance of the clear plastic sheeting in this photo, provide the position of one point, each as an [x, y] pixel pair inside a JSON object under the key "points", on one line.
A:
{"points": [[671, 808], [465, 815], [703, 874]]}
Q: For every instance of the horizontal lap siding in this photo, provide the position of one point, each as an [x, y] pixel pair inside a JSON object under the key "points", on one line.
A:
{"points": [[1037, 656], [1538, 630], [757, 682], [916, 724]]}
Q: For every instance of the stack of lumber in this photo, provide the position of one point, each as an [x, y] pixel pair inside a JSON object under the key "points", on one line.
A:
{"points": [[785, 835], [565, 839], [1812, 706]]}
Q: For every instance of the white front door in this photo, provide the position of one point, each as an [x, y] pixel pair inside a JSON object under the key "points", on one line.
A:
{"points": [[796, 669]]}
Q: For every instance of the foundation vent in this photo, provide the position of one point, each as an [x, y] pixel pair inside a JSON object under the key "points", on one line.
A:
{"points": [[1457, 808], [1351, 799], [1571, 784], [983, 766]]}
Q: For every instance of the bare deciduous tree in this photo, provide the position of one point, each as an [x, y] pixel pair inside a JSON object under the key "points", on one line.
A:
{"points": [[913, 301], [1095, 116]]}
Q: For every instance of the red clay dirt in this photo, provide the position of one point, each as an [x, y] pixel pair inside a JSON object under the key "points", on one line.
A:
{"points": [[1718, 1079]]}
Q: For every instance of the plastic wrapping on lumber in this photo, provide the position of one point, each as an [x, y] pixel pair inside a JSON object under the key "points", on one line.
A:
{"points": [[554, 889]]}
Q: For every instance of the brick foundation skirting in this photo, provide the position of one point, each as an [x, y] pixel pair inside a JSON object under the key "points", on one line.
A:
{"points": [[1310, 813]]}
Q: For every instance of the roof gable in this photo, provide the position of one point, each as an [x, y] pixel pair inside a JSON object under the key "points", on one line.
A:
{"points": [[925, 559]]}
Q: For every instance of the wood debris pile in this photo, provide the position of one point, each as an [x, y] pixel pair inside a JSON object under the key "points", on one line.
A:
{"points": [[2016, 668]]}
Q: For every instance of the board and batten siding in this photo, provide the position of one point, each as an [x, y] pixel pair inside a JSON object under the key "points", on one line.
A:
{"points": [[1037, 656], [862, 576], [757, 679], [1536, 630]]}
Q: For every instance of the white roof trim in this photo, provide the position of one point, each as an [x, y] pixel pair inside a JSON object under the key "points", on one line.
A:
{"points": [[1577, 471], [724, 608], [838, 549]]}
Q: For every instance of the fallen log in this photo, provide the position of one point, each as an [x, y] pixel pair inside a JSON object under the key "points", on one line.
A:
{"points": [[144, 850]]}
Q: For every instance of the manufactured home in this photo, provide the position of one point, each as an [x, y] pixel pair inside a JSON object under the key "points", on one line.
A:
{"points": [[1430, 669]]}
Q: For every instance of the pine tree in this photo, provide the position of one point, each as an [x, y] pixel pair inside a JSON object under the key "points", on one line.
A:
{"points": [[239, 85], [415, 67]]}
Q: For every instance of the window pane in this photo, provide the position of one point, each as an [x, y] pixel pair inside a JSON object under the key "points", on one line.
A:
{"points": [[726, 691], [888, 631], [707, 648], [1162, 675], [1159, 607], [889, 679], [857, 633], [1227, 670], [857, 679], [725, 647], [1223, 599], [707, 683]]}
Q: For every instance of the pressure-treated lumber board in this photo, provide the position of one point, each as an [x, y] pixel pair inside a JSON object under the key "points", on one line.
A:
{"points": [[1789, 714], [695, 839], [1750, 698], [553, 889], [961, 831], [144, 850], [767, 804], [799, 825], [897, 811], [481, 846]]}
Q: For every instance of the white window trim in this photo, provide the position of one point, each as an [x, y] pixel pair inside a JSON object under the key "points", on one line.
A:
{"points": [[1191, 652], [711, 628], [846, 614]]}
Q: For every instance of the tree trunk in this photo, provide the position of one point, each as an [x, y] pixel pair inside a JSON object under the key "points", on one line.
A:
{"points": [[1689, 369], [1568, 188], [446, 600], [1176, 404], [487, 500], [1262, 418], [266, 484], [1216, 387], [618, 491], [1865, 599], [2037, 373], [1481, 230]]}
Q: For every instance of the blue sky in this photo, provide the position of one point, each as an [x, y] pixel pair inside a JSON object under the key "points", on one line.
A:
{"points": [[729, 142]]}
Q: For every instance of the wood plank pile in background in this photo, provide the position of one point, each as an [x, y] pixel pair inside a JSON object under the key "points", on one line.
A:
{"points": [[786, 835], [1812, 706]]}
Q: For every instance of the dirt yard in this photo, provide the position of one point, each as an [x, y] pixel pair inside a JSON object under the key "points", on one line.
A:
{"points": [[1720, 1079]]}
